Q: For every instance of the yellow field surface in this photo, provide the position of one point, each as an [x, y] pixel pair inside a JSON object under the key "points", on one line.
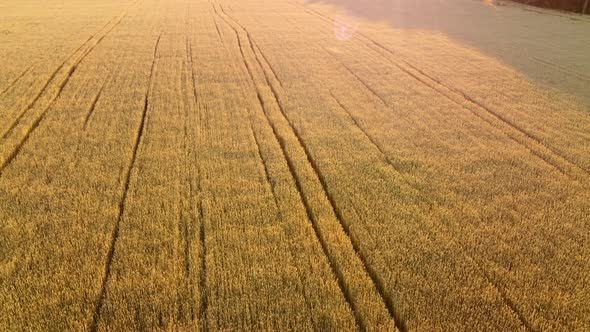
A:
{"points": [[230, 165]]}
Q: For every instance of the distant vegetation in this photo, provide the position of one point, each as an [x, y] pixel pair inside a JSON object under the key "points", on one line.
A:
{"points": [[571, 5]]}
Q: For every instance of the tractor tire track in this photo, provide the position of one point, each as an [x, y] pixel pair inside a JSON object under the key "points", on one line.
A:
{"points": [[185, 216], [93, 105], [564, 69], [61, 66], [204, 292], [365, 133], [503, 120], [190, 220], [92, 108], [272, 69], [203, 312], [35, 63], [482, 270], [359, 79], [535, 146], [353, 119], [544, 158], [542, 150], [61, 86], [502, 291], [292, 170], [122, 203], [505, 298], [110, 77], [269, 181], [310, 216], [218, 31], [13, 83], [484, 273], [18, 78], [273, 190], [267, 176], [52, 77], [279, 212], [186, 149], [377, 283]]}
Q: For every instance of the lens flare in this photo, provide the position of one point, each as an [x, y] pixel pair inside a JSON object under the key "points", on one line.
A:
{"points": [[345, 27]]}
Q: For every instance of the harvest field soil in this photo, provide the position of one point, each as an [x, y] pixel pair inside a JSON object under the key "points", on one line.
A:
{"points": [[232, 165]]}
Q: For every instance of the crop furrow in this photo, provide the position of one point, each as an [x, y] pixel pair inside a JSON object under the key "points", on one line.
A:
{"points": [[122, 203]]}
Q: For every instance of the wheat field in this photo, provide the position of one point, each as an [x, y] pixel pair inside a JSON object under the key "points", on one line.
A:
{"points": [[257, 165]]}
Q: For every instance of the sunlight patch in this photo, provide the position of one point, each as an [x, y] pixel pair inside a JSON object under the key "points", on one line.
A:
{"points": [[345, 26]]}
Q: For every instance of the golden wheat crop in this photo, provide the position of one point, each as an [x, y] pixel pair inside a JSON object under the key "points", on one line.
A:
{"points": [[229, 165]]}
